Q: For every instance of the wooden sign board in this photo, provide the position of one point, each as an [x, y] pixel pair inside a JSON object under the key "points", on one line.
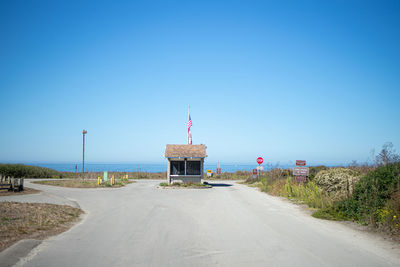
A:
{"points": [[300, 163], [300, 171]]}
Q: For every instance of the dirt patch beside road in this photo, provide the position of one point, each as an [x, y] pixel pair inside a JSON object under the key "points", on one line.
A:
{"points": [[33, 221], [26, 191]]}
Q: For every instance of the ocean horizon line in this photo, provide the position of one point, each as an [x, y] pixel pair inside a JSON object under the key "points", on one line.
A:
{"points": [[276, 163], [157, 167]]}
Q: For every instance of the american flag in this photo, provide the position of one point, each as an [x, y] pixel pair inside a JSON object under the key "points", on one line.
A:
{"points": [[189, 133]]}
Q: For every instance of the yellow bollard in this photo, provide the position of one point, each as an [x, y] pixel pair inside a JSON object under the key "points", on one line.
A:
{"points": [[98, 180], [112, 180]]}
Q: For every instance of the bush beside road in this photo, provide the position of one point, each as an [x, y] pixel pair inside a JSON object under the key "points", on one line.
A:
{"points": [[372, 198], [26, 171]]}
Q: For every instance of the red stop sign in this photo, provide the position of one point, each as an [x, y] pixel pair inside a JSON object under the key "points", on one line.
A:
{"points": [[260, 160]]}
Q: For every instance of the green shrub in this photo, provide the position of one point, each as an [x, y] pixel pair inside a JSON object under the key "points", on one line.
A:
{"points": [[27, 171], [362, 193], [330, 213], [372, 194]]}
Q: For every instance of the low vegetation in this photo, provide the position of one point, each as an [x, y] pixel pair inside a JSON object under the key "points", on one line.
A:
{"points": [[26, 171], [338, 183], [286, 186], [130, 175], [80, 183], [33, 221], [237, 175], [368, 194], [187, 185], [375, 201]]}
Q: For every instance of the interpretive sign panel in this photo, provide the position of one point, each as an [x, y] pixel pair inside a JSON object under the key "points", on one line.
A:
{"points": [[300, 171]]}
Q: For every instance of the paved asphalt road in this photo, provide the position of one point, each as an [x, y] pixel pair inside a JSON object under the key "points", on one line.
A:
{"points": [[142, 225]]}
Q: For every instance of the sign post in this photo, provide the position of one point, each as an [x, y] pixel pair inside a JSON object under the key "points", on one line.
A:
{"points": [[260, 160], [218, 169], [254, 173], [300, 172]]}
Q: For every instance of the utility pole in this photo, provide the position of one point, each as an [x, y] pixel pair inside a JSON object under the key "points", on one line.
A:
{"points": [[83, 154]]}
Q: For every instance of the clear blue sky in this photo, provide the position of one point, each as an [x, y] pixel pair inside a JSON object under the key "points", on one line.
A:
{"points": [[287, 80]]}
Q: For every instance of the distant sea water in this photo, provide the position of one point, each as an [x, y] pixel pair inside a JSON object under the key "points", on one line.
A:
{"points": [[143, 167]]}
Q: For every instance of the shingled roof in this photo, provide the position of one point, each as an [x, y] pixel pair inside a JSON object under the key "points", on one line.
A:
{"points": [[185, 151]]}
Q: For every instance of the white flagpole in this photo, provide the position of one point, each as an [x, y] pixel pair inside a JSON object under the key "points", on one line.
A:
{"points": [[188, 137]]}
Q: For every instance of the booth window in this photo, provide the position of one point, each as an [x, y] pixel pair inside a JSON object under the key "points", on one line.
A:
{"points": [[177, 168], [193, 168]]}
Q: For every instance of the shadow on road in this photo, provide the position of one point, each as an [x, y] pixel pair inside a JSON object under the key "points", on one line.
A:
{"points": [[218, 184]]}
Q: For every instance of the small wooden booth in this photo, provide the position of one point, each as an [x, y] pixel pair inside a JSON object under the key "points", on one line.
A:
{"points": [[185, 163]]}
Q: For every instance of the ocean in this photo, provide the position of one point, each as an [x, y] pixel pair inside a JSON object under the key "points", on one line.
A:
{"points": [[144, 167]]}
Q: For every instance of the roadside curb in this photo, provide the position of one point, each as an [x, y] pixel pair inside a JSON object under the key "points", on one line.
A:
{"points": [[10, 256]]}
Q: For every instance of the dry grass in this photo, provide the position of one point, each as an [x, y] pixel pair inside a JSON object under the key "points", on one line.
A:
{"points": [[237, 175], [121, 175], [33, 220], [26, 191], [79, 183]]}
